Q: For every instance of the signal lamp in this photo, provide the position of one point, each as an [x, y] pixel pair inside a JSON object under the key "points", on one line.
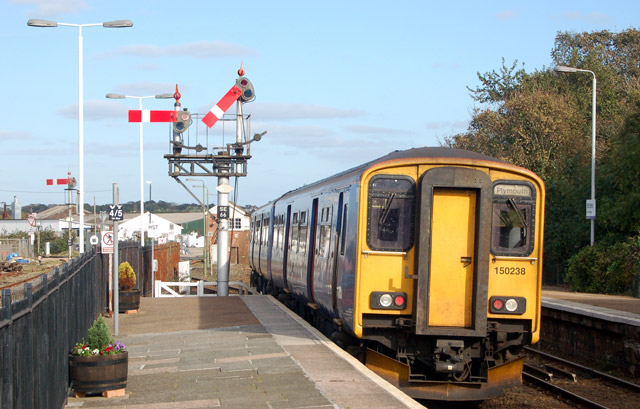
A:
{"points": [[246, 89], [183, 122]]}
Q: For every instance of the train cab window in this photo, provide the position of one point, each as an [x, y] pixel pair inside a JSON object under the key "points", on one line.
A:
{"points": [[513, 221], [390, 215]]}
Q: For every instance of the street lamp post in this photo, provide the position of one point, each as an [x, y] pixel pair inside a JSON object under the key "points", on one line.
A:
{"points": [[205, 199], [148, 182], [107, 24], [159, 96], [591, 205]]}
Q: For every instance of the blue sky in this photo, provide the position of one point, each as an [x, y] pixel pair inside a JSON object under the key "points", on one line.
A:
{"points": [[337, 82]]}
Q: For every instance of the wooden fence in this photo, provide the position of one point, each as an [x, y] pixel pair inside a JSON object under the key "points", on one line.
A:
{"points": [[42, 320]]}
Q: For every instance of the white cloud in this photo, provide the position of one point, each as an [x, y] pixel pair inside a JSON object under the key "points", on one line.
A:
{"points": [[591, 18], [18, 136], [447, 66], [286, 112], [95, 110], [372, 130], [200, 49], [506, 15], [145, 88], [50, 8]]}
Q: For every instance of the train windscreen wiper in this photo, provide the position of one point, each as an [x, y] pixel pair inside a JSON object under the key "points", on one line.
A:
{"points": [[518, 213], [386, 209]]}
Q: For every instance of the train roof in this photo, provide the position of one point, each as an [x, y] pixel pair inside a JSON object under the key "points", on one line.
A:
{"points": [[424, 152]]}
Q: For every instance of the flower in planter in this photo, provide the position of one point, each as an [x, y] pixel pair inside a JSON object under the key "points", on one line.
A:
{"points": [[126, 276], [99, 342]]}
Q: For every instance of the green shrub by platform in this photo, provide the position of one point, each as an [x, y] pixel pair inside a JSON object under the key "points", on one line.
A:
{"points": [[608, 268], [99, 335]]}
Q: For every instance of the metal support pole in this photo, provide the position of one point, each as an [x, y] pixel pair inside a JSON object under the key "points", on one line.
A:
{"points": [[116, 284], [223, 238], [141, 181], [80, 141], [593, 157], [70, 239]]}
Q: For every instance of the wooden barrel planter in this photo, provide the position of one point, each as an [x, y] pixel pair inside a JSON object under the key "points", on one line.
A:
{"points": [[98, 373], [128, 300]]}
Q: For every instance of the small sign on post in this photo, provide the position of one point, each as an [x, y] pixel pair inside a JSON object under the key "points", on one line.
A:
{"points": [[591, 209], [115, 213], [107, 242]]}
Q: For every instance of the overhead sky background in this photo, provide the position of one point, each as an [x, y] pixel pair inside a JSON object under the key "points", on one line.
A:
{"points": [[338, 83]]}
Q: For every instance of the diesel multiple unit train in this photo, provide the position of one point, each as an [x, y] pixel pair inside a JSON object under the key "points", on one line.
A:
{"points": [[426, 263]]}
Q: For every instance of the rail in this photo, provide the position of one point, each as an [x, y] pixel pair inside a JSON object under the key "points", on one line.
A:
{"points": [[163, 289]]}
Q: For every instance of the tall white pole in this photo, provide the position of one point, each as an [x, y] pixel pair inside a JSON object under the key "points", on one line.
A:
{"points": [[141, 183], [80, 141]]}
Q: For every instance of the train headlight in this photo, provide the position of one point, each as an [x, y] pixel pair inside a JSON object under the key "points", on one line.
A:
{"points": [[382, 300], [386, 300], [507, 305]]}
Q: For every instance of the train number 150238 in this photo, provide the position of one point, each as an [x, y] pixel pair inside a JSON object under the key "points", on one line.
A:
{"points": [[518, 271]]}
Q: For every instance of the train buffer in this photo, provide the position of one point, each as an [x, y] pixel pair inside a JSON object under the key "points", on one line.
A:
{"points": [[241, 352]]}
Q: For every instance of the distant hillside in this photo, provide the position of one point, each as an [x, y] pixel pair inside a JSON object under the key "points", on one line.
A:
{"points": [[131, 207]]}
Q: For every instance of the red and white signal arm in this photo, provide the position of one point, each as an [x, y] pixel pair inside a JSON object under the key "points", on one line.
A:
{"points": [[146, 115], [221, 107]]}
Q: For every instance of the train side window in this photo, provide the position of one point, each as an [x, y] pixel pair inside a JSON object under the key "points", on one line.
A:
{"points": [[265, 231], [325, 233], [343, 229], [390, 215], [294, 233], [302, 240], [513, 221]]}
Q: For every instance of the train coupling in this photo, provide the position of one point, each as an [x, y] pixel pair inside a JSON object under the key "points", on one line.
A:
{"points": [[449, 356]]}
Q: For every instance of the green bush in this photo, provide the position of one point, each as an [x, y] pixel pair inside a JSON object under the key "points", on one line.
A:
{"points": [[99, 335], [610, 268]]}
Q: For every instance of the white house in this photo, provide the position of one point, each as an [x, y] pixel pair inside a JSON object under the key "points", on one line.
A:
{"points": [[154, 226], [240, 217]]}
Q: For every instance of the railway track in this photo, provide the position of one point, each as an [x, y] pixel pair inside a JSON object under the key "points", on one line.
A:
{"points": [[578, 384]]}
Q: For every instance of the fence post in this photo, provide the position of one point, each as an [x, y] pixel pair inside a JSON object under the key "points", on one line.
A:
{"points": [[7, 371]]}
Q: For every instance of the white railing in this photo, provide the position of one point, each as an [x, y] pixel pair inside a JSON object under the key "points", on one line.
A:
{"points": [[164, 288]]}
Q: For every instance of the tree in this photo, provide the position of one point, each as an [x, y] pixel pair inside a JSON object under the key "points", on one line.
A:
{"points": [[542, 121]]}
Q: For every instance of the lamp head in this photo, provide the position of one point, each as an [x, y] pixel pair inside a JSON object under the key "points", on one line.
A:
{"points": [[34, 22], [117, 24], [563, 68]]}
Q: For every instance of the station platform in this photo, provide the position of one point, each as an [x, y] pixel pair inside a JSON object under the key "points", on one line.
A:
{"points": [[614, 308], [237, 352]]}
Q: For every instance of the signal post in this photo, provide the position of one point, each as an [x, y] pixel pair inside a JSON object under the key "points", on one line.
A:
{"points": [[222, 162]]}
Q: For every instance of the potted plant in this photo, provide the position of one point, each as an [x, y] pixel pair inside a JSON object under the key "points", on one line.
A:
{"points": [[129, 297], [98, 365]]}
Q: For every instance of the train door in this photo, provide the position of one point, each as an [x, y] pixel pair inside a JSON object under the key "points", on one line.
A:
{"points": [[285, 255], [338, 259], [312, 248], [453, 252]]}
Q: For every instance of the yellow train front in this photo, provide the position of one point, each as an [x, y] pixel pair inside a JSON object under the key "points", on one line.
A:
{"points": [[428, 262]]}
